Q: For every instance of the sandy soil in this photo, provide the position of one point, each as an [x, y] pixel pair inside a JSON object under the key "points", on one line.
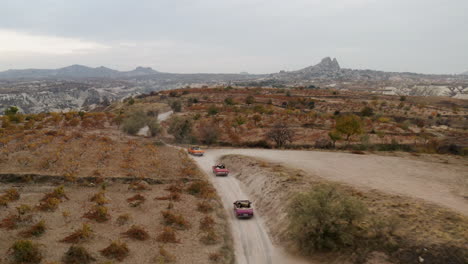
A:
{"points": [[439, 183], [147, 215], [251, 241]]}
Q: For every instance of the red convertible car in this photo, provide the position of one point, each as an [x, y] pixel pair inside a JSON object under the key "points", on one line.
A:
{"points": [[220, 170], [243, 209]]}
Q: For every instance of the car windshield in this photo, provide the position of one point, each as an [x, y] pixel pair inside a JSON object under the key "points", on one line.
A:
{"points": [[195, 148]]}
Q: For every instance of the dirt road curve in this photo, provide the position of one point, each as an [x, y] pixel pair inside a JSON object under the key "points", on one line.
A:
{"points": [[251, 241], [433, 182], [442, 184]]}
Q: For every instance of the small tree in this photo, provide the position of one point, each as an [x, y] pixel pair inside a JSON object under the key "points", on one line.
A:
{"points": [[349, 125], [12, 110], [213, 110], [367, 111], [181, 129], [229, 101], [281, 134], [334, 136], [209, 133], [250, 100], [257, 118], [176, 106]]}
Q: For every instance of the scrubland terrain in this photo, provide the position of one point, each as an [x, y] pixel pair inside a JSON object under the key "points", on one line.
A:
{"points": [[304, 212], [320, 118], [73, 185]]}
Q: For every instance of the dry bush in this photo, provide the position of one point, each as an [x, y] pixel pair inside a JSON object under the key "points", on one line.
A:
{"points": [[201, 189], [116, 250], [10, 195], [123, 219], [79, 235], [10, 222], [165, 256], [205, 207], [137, 233], [99, 198], [36, 230], [173, 196], [57, 193], [177, 188], [50, 204], [136, 200], [215, 257], [210, 238], [139, 186], [25, 251], [77, 255], [207, 223], [99, 213], [176, 220], [168, 235]]}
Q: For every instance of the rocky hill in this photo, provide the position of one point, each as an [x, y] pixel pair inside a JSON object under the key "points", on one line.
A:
{"points": [[75, 71]]}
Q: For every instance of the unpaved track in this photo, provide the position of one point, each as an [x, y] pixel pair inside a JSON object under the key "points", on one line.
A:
{"points": [[433, 182], [252, 244], [438, 183]]}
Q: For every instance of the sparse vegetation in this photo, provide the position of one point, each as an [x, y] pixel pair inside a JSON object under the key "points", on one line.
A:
{"points": [[178, 221], [98, 213], [325, 219], [34, 231], [137, 233], [116, 250], [82, 234], [77, 255], [168, 235], [25, 251]]}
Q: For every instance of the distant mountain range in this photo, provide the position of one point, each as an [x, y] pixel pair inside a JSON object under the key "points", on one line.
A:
{"points": [[75, 71], [328, 68]]}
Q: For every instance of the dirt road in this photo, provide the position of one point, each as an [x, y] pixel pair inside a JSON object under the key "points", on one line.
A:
{"points": [[442, 184], [434, 182], [251, 241]]}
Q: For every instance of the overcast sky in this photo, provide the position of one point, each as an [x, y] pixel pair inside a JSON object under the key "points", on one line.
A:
{"points": [[257, 36]]}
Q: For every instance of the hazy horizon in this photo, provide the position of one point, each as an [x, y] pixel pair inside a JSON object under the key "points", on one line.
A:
{"points": [[255, 36]]}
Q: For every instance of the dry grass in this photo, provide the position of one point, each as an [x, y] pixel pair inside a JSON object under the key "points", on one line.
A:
{"points": [[116, 250], [205, 207], [172, 196], [83, 234], [34, 231], [98, 213], [165, 256], [207, 223], [99, 198], [137, 233], [123, 219], [168, 235], [210, 238], [77, 255], [178, 221], [10, 222], [136, 200], [25, 252], [50, 204]]}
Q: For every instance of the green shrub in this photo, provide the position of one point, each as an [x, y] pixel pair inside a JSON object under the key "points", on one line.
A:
{"points": [[134, 122], [25, 251], [324, 219], [176, 106]]}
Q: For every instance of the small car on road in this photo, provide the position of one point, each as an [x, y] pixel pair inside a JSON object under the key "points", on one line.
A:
{"points": [[196, 151], [243, 209], [220, 170]]}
